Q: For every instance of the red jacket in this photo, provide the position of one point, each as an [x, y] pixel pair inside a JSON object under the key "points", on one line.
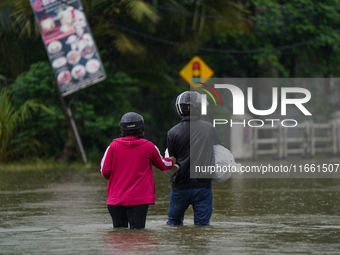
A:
{"points": [[127, 165]]}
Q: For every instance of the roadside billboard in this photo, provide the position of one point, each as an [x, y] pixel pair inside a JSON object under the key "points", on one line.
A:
{"points": [[69, 44]]}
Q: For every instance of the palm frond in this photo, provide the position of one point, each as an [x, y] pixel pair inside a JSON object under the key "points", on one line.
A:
{"points": [[126, 44], [139, 10], [6, 21], [10, 119], [24, 18], [5, 79]]}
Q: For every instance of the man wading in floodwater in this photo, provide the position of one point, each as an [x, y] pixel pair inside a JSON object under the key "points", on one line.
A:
{"points": [[200, 138]]}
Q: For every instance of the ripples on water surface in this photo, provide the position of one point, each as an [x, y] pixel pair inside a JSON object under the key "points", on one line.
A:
{"points": [[64, 212]]}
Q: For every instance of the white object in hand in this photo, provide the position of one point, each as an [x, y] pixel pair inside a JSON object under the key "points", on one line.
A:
{"points": [[172, 170], [224, 159]]}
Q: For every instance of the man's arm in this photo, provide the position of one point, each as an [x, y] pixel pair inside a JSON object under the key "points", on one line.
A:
{"points": [[170, 145], [216, 138]]}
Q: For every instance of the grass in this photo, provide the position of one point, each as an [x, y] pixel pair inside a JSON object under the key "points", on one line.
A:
{"points": [[42, 164]]}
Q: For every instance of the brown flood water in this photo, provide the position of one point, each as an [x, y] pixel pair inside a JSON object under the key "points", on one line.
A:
{"points": [[64, 212]]}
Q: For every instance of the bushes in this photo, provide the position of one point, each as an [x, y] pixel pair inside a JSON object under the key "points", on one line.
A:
{"points": [[16, 141], [96, 109]]}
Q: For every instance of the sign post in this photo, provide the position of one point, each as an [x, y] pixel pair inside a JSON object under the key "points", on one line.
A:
{"points": [[72, 125], [71, 50]]}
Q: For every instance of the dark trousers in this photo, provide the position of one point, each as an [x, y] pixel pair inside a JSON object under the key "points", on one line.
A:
{"points": [[135, 215]]}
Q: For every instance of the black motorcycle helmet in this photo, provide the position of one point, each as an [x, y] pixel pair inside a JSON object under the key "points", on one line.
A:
{"points": [[132, 124], [188, 103]]}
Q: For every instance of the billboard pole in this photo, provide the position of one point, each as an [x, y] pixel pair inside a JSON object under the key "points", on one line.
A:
{"points": [[72, 124], [71, 50]]}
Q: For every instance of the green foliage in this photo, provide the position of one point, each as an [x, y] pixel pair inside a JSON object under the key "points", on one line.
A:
{"points": [[38, 82], [14, 140], [96, 109], [141, 46], [309, 28], [19, 38]]}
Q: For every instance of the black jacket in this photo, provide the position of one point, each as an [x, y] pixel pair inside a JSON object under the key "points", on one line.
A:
{"points": [[191, 143]]}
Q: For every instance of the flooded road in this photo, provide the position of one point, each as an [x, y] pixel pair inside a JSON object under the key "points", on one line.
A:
{"points": [[64, 212]]}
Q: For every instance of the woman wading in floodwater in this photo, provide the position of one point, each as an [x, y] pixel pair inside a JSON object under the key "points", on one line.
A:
{"points": [[127, 165]]}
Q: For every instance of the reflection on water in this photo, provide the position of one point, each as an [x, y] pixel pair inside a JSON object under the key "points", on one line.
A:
{"points": [[64, 212], [125, 241]]}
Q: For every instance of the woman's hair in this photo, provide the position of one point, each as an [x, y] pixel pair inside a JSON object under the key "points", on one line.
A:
{"points": [[136, 135]]}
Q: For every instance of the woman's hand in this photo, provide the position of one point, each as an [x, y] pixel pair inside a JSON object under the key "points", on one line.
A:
{"points": [[173, 159]]}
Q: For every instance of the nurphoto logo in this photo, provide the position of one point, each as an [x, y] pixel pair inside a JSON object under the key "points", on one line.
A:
{"points": [[295, 97]]}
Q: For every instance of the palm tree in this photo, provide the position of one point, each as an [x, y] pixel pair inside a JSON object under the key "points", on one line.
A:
{"points": [[17, 27], [195, 21], [13, 140], [111, 17], [113, 24]]}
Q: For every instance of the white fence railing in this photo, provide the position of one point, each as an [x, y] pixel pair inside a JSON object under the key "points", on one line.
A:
{"points": [[306, 139]]}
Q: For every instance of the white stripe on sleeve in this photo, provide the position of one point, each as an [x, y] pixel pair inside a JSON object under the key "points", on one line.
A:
{"points": [[167, 163], [103, 159]]}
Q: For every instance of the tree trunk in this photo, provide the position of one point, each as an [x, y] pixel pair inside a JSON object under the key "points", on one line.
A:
{"points": [[69, 148]]}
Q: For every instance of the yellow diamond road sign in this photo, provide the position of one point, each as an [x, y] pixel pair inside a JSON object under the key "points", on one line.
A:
{"points": [[197, 70]]}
